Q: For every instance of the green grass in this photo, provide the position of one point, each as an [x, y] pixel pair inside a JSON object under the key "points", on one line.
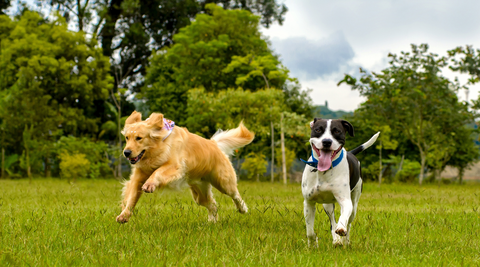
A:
{"points": [[53, 223]]}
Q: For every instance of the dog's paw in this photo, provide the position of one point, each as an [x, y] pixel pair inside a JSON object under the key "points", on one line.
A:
{"points": [[312, 241], [341, 231], [149, 187], [340, 241], [122, 218]]}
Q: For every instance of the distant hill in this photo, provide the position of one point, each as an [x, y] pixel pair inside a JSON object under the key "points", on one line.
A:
{"points": [[325, 113]]}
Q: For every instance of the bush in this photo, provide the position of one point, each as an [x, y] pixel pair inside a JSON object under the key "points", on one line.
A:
{"points": [[94, 152], [74, 166], [409, 172], [255, 164]]}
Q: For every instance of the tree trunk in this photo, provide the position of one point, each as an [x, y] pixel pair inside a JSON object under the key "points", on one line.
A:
{"points": [[381, 166], [401, 164], [27, 161], [423, 159], [282, 140], [3, 162], [273, 155], [461, 171], [108, 32], [258, 177], [48, 172]]}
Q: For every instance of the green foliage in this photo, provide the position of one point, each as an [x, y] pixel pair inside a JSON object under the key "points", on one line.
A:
{"points": [[370, 171], [208, 112], [96, 153], [219, 50], [50, 79], [289, 157], [74, 166], [414, 99], [130, 29], [59, 224], [409, 172], [255, 165]]}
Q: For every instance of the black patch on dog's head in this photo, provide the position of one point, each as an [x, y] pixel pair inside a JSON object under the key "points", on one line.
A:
{"points": [[318, 128]]}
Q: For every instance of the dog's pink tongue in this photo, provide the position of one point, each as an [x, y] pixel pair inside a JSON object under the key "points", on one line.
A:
{"points": [[324, 161]]}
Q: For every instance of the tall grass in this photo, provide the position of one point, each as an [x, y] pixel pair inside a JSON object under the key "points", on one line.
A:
{"points": [[53, 223]]}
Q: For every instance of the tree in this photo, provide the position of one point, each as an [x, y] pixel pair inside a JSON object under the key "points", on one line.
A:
{"points": [[219, 50], [414, 98], [207, 112], [130, 29], [51, 80]]}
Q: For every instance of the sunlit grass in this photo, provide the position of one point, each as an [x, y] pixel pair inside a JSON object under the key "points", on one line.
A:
{"points": [[52, 222]]}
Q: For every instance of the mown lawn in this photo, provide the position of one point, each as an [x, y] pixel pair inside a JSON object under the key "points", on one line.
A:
{"points": [[50, 222]]}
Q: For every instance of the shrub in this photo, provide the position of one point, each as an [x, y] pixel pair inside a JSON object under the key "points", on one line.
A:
{"points": [[74, 166], [255, 164], [94, 152], [409, 172]]}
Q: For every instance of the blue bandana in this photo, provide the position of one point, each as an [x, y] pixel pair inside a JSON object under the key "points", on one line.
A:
{"points": [[314, 161]]}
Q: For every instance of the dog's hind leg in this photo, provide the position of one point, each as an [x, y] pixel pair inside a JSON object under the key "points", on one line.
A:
{"points": [[131, 193], [227, 184], [357, 191], [202, 194]]}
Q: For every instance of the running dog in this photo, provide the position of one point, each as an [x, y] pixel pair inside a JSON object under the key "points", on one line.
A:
{"points": [[332, 175], [167, 156]]}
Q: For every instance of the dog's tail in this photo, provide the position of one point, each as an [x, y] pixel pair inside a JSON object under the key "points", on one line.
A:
{"points": [[366, 145], [232, 139]]}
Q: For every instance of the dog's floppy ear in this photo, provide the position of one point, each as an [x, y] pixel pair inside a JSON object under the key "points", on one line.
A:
{"points": [[134, 117], [348, 127], [156, 120], [313, 122]]}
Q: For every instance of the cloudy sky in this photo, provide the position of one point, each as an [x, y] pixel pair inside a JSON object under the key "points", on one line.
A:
{"points": [[321, 40]]}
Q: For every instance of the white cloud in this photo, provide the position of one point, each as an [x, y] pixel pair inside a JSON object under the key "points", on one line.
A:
{"points": [[372, 29]]}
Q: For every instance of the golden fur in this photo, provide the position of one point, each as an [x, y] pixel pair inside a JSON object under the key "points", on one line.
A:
{"points": [[181, 158]]}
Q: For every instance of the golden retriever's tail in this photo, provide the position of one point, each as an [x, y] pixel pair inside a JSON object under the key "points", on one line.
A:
{"points": [[232, 139]]}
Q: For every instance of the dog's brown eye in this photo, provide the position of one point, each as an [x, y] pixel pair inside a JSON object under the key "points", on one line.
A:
{"points": [[138, 138], [336, 131]]}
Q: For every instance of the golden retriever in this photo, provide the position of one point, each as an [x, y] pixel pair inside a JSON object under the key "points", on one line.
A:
{"points": [[171, 157]]}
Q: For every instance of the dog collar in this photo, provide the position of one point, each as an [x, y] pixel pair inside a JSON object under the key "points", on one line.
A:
{"points": [[314, 161], [168, 125]]}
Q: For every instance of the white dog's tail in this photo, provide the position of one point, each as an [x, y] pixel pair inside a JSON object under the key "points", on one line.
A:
{"points": [[232, 139], [366, 145]]}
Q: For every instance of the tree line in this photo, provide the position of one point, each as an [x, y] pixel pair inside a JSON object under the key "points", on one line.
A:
{"points": [[65, 94]]}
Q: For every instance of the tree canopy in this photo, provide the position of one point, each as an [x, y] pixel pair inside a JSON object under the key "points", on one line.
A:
{"points": [[50, 80], [220, 50], [414, 99]]}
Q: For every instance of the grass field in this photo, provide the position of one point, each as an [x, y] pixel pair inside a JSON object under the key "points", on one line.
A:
{"points": [[50, 222]]}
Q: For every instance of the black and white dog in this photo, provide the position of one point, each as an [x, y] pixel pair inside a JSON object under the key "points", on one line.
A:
{"points": [[332, 175]]}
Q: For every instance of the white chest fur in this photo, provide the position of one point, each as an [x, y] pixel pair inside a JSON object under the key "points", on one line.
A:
{"points": [[322, 187]]}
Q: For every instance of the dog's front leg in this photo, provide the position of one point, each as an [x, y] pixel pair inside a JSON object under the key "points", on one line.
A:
{"points": [[346, 208], [309, 213], [131, 193], [161, 177]]}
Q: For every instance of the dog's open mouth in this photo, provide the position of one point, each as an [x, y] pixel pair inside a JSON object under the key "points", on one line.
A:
{"points": [[325, 158], [137, 158]]}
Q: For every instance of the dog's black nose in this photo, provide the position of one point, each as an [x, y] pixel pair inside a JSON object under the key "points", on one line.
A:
{"points": [[326, 143], [127, 153]]}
